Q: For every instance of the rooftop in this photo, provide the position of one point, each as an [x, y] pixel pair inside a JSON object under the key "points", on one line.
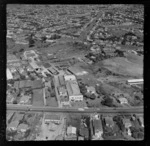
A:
{"points": [[22, 127], [73, 88], [52, 117]]}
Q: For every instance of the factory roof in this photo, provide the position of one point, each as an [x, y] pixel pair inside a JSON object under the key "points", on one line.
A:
{"points": [[73, 88], [97, 124], [61, 80]]}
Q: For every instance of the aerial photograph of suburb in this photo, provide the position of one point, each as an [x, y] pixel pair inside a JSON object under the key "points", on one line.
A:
{"points": [[74, 72]]}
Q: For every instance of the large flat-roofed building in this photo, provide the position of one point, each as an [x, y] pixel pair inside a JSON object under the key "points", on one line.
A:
{"points": [[74, 91], [77, 71], [34, 65], [135, 81], [69, 77], [9, 74]]}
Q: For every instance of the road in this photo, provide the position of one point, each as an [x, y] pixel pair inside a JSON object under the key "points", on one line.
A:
{"points": [[136, 110], [84, 33]]}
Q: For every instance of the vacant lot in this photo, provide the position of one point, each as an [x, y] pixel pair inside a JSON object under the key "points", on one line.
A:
{"points": [[130, 66], [38, 97]]}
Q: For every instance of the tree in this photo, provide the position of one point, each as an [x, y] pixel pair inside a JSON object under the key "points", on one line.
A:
{"points": [[107, 102], [92, 96], [43, 39], [21, 50]]}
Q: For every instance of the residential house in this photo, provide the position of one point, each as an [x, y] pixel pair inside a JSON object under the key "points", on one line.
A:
{"points": [[22, 128], [91, 89], [123, 100], [97, 128], [84, 132], [24, 99], [127, 124], [141, 121], [71, 131], [109, 122], [10, 99]]}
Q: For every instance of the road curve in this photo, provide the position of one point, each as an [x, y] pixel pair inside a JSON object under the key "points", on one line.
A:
{"points": [[73, 110]]}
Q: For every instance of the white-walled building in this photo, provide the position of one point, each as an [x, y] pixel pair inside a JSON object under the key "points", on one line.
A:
{"points": [[135, 81], [69, 77], [74, 91], [9, 74]]}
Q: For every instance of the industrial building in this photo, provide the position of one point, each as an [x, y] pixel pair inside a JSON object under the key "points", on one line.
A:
{"points": [[61, 80], [69, 77], [135, 81], [74, 91]]}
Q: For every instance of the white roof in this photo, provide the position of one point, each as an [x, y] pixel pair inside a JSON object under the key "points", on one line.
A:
{"points": [[9, 74], [71, 130], [69, 77], [135, 80]]}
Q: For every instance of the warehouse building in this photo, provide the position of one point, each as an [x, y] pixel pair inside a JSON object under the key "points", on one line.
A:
{"points": [[69, 77], [61, 80], [135, 81], [74, 91]]}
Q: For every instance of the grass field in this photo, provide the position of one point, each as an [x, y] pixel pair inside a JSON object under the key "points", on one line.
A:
{"points": [[130, 66]]}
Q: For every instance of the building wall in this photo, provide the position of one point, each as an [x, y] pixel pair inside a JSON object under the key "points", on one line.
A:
{"points": [[76, 98]]}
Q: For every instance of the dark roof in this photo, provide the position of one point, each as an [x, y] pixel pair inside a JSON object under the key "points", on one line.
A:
{"points": [[97, 124], [84, 131], [25, 84], [61, 80], [109, 120]]}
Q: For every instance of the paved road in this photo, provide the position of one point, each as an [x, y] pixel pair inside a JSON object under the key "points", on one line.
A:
{"points": [[87, 29], [73, 110]]}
